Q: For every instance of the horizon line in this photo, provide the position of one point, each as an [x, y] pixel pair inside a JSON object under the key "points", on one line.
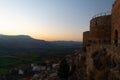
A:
{"points": [[39, 38]]}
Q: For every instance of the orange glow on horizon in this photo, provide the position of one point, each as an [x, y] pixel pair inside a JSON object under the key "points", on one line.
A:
{"points": [[48, 37], [57, 38]]}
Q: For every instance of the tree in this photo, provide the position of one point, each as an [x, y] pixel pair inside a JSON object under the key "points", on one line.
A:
{"points": [[65, 70]]}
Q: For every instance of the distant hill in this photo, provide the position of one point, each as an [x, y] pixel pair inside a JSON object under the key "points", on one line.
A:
{"points": [[27, 42], [21, 41], [23, 49], [67, 43]]}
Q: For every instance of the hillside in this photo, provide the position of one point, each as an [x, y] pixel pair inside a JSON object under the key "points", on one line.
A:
{"points": [[27, 42], [21, 42], [23, 49]]}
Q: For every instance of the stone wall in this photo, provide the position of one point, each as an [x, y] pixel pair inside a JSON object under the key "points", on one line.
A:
{"points": [[106, 28], [115, 21], [103, 62], [86, 38], [100, 29]]}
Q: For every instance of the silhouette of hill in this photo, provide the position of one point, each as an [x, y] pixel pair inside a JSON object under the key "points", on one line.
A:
{"points": [[27, 42], [21, 42]]}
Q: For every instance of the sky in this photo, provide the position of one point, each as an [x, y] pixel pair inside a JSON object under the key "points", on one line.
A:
{"points": [[50, 20]]}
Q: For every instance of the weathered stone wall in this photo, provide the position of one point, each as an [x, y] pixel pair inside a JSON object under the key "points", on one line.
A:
{"points": [[103, 62], [115, 20], [100, 28], [86, 38]]}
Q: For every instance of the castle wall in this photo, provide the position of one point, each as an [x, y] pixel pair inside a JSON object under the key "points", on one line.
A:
{"points": [[100, 28], [103, 60], [115, 21], [86, 37], [93, 30], [108, 69]]}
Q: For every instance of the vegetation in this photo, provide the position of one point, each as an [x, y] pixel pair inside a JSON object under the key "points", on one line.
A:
{"points": [[13, 59], [65, 70], [4, 70], [23, 50]]}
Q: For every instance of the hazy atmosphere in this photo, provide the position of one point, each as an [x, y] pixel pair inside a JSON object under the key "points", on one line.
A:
{"points": [[49, 19]]}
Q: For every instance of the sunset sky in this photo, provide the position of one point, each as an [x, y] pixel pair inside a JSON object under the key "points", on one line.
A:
{"points": [[49, 19]]}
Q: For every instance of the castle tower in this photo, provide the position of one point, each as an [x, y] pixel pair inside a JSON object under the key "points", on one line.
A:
{"points": [[100, 28], [115, 36]]}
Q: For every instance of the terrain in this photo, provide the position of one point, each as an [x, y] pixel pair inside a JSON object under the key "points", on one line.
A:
{"points": [[23, 49]]}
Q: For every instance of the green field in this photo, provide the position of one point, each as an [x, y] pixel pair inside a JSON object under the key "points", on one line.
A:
{"points": [[7, 60], [4, 70]]}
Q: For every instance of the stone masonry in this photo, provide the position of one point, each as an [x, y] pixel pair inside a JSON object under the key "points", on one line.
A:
{"points": [[102, 46]]}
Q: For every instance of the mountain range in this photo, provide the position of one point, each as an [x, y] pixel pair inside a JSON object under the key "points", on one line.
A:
{"points": [[27, 42]]}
